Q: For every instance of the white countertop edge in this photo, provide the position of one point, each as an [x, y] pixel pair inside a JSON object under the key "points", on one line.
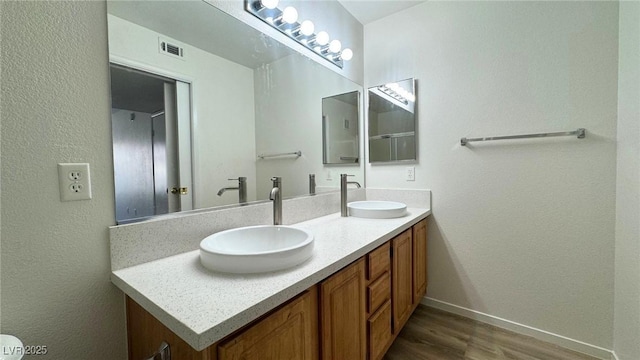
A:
{"points": [[201, 339]]}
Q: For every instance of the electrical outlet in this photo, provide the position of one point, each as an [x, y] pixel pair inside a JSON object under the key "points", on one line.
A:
{"points": [[75, 175], [74, 181], [411, 173]]}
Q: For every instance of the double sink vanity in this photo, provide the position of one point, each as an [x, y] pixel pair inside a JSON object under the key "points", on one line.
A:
{"points": [[329, 287]]}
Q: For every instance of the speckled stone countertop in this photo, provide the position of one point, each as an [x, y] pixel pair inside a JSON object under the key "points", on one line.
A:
{"points": [[202, 306]]}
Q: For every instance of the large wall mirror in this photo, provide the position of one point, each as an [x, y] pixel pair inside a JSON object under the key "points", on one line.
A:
{"points": [[203, 103], [392, 122]]}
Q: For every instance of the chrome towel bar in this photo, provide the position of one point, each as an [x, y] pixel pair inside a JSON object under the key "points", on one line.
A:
{"points": [[580, 133], [295, 153]]}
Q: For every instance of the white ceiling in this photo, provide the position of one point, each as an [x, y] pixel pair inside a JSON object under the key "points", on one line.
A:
{"points": [[367, 11]]}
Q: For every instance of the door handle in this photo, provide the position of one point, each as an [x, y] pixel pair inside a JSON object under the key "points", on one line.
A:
{"points": [[181, 190]]}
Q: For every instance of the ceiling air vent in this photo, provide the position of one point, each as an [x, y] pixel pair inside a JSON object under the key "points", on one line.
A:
{"points": [[171, 48]]}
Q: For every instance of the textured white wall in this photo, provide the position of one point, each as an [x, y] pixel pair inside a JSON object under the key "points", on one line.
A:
{"points": [[55, 108], [522, 230], [627, 278], [222, 94]]}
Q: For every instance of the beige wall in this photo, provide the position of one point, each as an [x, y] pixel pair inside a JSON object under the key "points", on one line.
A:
{"points": [[627, 275], [55, 108], [521, 230]]}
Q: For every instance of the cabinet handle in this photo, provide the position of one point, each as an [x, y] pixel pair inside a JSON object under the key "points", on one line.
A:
{"points": [[163, 353]]}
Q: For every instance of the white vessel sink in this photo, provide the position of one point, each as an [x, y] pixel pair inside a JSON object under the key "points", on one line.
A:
{"points": [[256, 249], [377, 209]]}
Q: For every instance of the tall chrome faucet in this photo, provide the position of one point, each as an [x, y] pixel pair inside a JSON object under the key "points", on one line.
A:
{"points": [[343, 193], [242, 189], [276, 197]]}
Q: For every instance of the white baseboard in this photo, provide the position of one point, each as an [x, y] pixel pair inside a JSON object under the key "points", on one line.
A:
{"points": [[556, 339]]}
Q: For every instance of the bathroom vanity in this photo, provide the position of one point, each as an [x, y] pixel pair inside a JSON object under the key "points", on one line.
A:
{"points": [[349, 301]]}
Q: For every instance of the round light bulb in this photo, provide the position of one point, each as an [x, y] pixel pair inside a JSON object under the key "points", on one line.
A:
{"points": [[322, 38], [335, 46], [347, 54], [290, 15], [269, 4], [307, 27]]}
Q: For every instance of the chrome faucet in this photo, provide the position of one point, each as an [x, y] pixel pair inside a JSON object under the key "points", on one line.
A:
{"points": [[312, 184], [242, 189], [343, 193], [276, 197]]}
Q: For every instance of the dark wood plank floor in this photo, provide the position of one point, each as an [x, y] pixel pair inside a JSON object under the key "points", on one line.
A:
{"points": [[432, 334]]}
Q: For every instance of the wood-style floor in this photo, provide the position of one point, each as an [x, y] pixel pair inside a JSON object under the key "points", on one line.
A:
{"points": [[437, 335]]}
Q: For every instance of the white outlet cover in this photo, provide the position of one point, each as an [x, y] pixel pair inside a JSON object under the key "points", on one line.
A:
{"points": [[411, 173], [75, 181]]}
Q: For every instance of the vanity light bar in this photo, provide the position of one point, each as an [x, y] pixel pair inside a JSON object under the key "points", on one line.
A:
{"points": [[286, 21], [393, 94]]}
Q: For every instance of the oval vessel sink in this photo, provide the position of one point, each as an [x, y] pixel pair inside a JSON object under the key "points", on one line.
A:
{"points": [[377, 209], [256, 249]]}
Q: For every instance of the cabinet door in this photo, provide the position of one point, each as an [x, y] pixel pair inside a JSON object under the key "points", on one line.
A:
{"points": [[402, 279], [290, 333], [419, 261], [342, 320]]}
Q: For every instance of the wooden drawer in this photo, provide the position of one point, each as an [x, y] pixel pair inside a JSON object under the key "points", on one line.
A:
{"points": [[379, 331], [378, 292], [378, 261]]}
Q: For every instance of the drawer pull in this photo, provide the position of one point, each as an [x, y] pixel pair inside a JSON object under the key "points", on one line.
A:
{"points": [[163, 353]]}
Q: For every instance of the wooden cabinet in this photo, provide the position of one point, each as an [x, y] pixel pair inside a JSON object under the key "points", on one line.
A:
{"points": [[396, 283], [290, 333], [402, 274], [342, 314], [419, 261]]}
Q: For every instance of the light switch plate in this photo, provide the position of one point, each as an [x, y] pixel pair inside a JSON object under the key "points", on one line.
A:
{"points": [[75, 181]]}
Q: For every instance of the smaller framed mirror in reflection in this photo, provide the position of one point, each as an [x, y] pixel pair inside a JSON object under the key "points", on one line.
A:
{"points": [[340, 118], [392, 122]]}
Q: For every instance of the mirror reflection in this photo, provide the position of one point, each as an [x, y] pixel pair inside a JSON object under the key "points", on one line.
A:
{"points": [[340, 115], [201, 101], [144, 126], [392, 122]]}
